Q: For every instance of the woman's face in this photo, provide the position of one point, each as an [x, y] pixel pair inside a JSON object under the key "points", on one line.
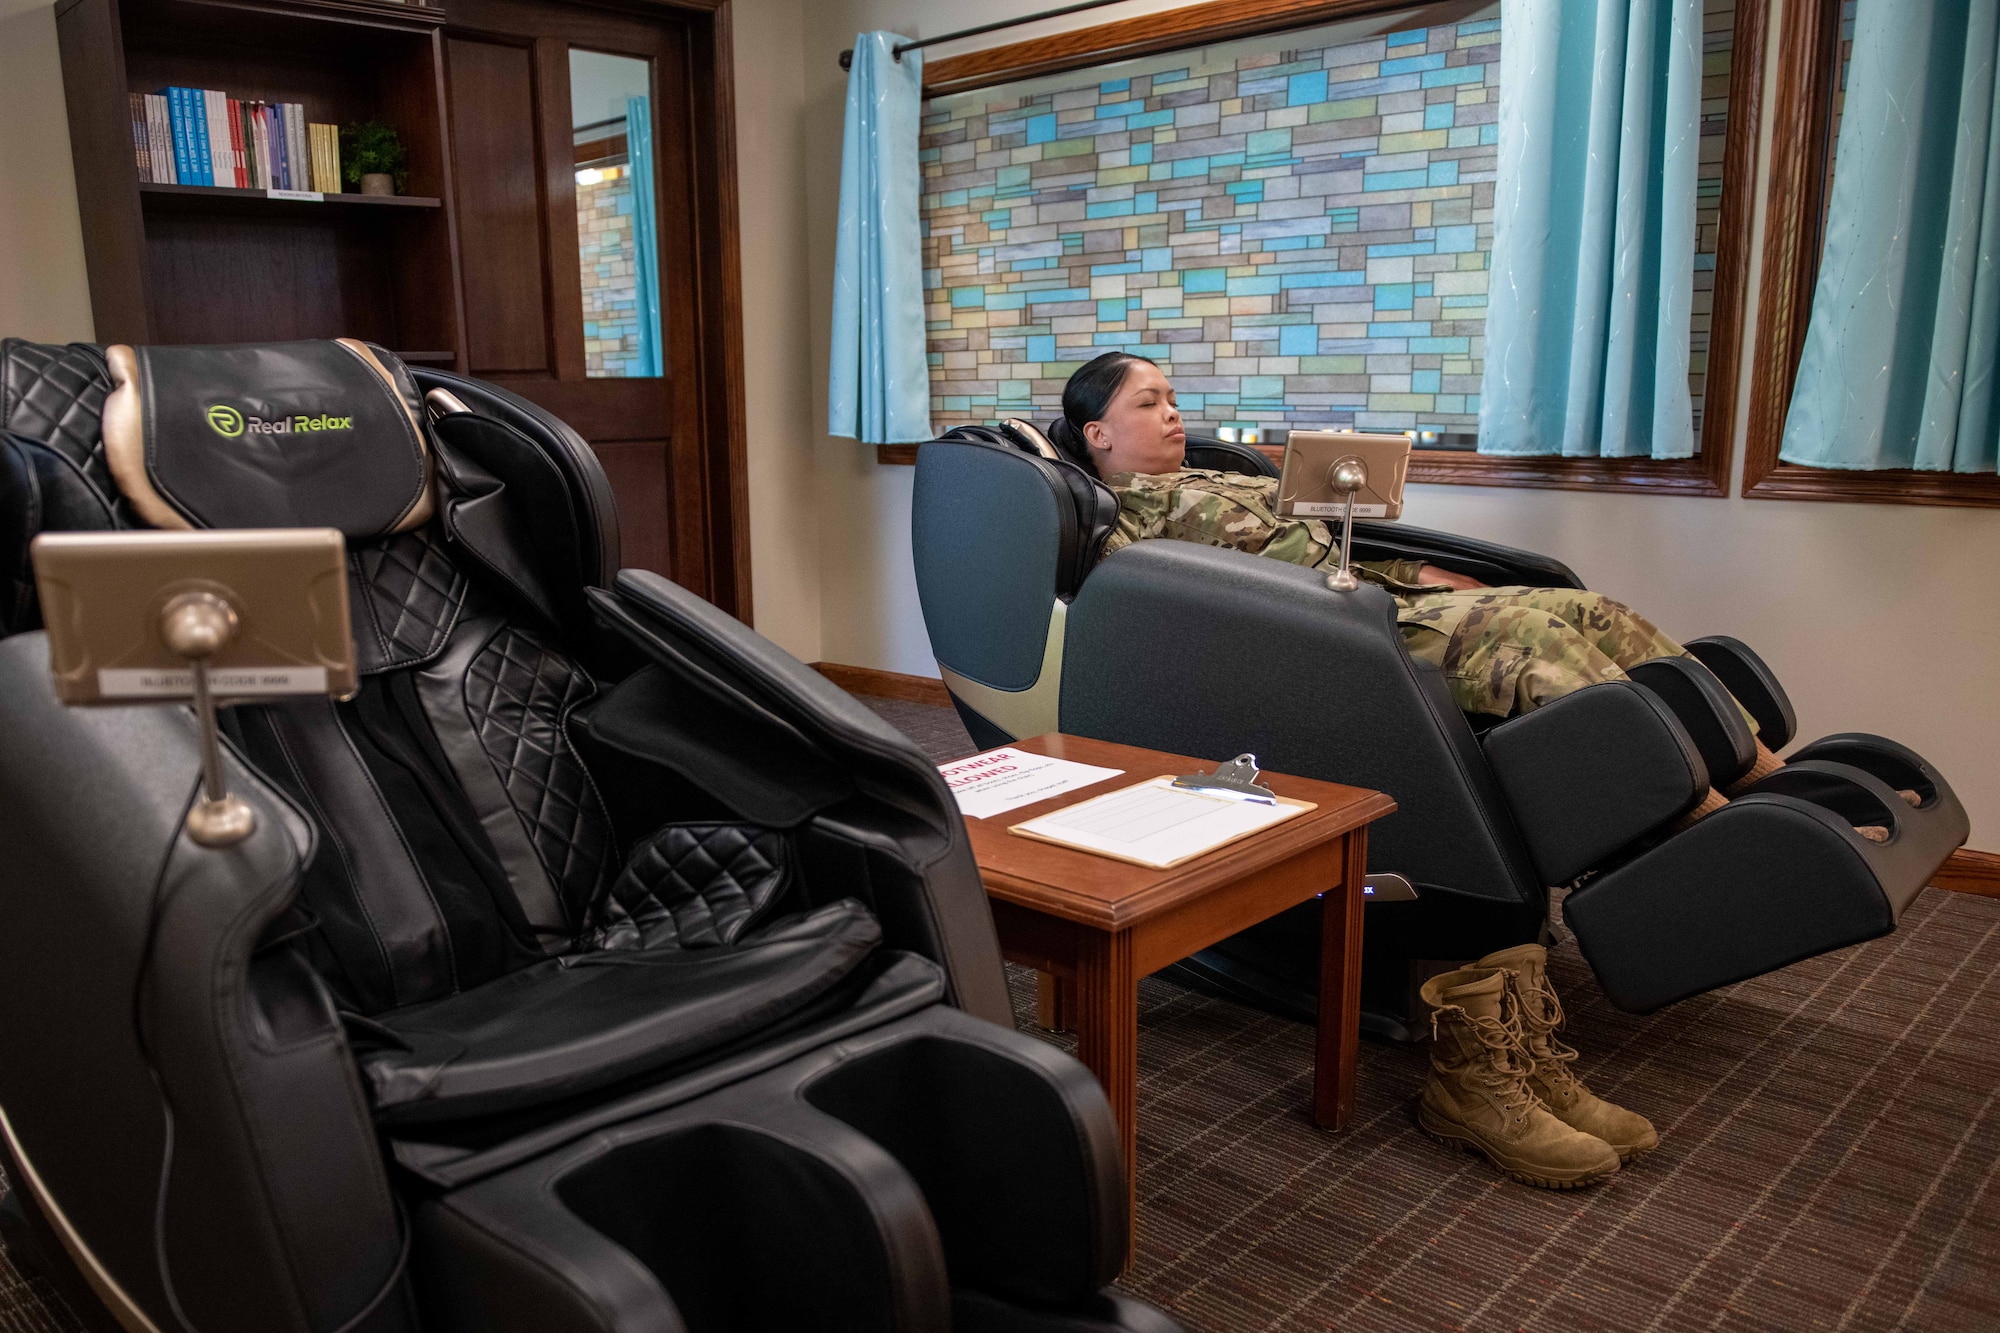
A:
{"points": [[1141, 430]]}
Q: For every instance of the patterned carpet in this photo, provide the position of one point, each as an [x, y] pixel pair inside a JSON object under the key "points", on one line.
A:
{"points": [[29, 1305], [1829, 1159]]}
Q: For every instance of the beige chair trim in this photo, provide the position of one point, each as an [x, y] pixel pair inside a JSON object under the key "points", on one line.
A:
{"points": [[420, 509], [1041, 442], [123, 1308], [1021, 713], [124, 424]]}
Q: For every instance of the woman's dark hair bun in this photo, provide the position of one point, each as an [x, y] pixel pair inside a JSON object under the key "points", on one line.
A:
{"points": [[1087, 397], [1070, 441]]}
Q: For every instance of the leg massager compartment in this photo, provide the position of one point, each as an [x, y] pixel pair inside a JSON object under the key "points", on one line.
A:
{"points": [[928, 1162], [1778, 875], [1027, 1199], [673, 1224]]}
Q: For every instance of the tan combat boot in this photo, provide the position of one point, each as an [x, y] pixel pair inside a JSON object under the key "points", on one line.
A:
{"points": [[1477, 1096], [1550, 1076]]}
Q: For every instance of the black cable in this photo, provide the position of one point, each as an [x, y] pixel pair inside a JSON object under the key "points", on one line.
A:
{"points": [[167, 1112], [153, 1070], [160, 1202]]}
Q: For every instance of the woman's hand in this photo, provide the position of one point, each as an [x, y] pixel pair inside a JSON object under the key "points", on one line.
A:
{"points": [[1432, 574]]}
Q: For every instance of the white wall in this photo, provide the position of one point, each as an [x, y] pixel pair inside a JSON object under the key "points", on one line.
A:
{"points": [[600, 84], [44, 292], [1877, 617], [785, 425]]}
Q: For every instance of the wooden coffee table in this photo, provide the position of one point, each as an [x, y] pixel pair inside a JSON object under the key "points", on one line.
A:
{"points": [[1097, 925]]}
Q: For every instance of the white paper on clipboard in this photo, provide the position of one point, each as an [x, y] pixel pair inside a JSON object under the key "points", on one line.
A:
{"points": [[1158, 824]]}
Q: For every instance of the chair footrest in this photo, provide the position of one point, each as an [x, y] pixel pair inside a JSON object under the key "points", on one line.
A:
{"points": [[1777, 875], [849, 1188]]}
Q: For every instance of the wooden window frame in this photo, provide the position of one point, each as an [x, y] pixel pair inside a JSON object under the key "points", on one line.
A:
{"points": [[1808, 42], [1706, 474]]}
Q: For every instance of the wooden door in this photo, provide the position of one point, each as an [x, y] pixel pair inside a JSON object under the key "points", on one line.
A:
{"points": [[666, 438]]}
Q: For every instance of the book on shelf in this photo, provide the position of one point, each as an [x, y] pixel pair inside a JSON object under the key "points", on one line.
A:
{"points": [[281, 149], [295, 122], [207, 125], [325, 158], [232, 125], [141, 149], [258, 117], [160, 137], [202, 136]]}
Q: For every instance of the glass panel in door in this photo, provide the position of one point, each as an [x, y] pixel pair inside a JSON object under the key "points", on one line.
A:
{"points": [[617, 235]]}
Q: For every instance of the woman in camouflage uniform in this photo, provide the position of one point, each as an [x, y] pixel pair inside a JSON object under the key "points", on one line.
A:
{"points": [[1502, 650]]}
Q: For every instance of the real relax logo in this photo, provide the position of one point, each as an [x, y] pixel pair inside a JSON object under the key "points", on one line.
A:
{"points": [[231, 423]]}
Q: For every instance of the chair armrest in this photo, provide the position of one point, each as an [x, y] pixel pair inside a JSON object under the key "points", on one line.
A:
{"points": [[1754, 684], [1490, 562], [902, 798], [1707, 712], [1592, 772]]}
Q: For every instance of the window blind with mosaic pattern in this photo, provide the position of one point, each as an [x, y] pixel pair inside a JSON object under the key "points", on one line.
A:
{"points": [[1297, 228]]}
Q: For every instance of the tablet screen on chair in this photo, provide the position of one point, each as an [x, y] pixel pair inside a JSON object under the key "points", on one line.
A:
{"points": [[103, 596], [1305, 486]]}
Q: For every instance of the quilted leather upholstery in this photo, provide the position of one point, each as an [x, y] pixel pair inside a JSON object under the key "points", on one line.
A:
{"points": [[405, 596], [56, 394], [693, 885], [518, 693]]}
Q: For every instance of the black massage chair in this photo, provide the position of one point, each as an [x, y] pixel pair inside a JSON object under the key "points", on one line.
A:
{"points": [[597, 967], [1212, 652]]}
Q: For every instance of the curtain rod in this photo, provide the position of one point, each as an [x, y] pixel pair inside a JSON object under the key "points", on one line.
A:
{"points": [[847, 56]]}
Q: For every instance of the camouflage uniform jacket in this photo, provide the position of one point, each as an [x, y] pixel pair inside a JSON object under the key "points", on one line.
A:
{"points": [[1228, 509]]}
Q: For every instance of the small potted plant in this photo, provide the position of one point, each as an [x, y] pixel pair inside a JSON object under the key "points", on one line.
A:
{"points": [[372, 156]]}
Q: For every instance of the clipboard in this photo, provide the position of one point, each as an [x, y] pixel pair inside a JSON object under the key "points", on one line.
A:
{"points": [[1123, 825], [1305, 484]]}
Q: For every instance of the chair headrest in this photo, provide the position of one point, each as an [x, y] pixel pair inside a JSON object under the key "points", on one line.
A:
{"points": [[261, 435], [1090, 508], [1034, 435]]}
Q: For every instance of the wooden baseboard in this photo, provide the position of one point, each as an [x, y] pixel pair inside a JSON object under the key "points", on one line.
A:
{"points": [[886, 684], [1970, 872]]}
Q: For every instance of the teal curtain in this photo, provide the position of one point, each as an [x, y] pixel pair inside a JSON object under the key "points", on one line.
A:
{"points": [[645, 232], [1592, 280], [1898, 367], [878, 388]]}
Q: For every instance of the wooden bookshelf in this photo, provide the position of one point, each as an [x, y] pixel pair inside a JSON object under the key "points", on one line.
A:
{"points": [[208, 264], [252, 203]]}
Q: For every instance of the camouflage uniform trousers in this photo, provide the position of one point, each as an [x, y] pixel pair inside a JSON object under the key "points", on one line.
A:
{"points": [[1510, 650]]}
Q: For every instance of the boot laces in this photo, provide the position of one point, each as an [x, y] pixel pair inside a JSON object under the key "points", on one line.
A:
{"points": [[1542, 1017], [1505, 1071]]}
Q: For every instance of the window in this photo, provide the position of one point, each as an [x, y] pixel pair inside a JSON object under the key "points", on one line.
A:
{"points": [[1297, 225], [1813, 50]]}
